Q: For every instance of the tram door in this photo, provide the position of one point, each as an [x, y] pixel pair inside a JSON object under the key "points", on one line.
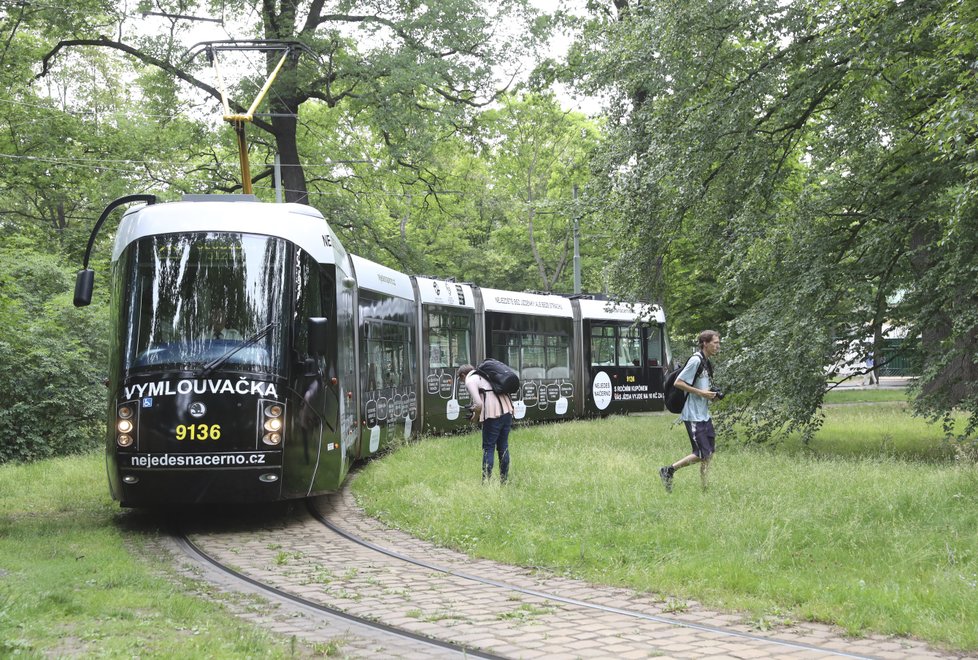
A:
{"points": [[312, 452], [349, 388], [654, 360], [626, 366], [448, 343]]}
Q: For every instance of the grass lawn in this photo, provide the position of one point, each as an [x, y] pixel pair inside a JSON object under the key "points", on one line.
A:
{"points": [[873, 526], [868, 395], [77, 578]]}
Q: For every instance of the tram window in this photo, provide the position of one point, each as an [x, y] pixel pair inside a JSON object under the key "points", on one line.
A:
{"points": [[448, 340], [603, 345], [558, 357], [630, 347], [653, 348], [389, 362], [181, 285], [534, 356], [506, 347], [308, 300]]}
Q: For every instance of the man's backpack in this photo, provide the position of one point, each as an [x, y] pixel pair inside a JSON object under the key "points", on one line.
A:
{"points": [[501, 376], [675, 397]]}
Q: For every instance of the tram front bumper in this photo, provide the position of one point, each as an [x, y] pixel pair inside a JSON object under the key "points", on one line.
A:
{"points": [[160, 487]]}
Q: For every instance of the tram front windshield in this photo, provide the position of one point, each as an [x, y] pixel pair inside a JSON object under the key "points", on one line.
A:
{"points": [[198, 300]]}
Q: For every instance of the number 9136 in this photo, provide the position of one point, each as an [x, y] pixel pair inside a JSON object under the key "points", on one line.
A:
{"points": [[198, 432]]}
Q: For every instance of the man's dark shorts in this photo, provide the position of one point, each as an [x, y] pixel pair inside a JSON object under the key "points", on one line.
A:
{"points": [[702, 437]]}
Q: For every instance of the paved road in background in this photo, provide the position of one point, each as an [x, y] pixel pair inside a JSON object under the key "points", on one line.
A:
{"points": [[886, 383]]}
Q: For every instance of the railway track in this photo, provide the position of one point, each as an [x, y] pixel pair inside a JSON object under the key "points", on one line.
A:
{"points": [[374, 637], [576, 602], [331, 561]]}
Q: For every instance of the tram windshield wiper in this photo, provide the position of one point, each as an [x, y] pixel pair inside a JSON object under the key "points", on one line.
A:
{"points": [[253, 339]]}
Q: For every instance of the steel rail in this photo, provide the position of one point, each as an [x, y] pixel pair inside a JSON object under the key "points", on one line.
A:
{"points": [[194, 550], [574, 601]]}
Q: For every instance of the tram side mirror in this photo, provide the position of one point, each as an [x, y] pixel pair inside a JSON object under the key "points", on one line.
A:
{"points": [[318, 330], [84, 283]]}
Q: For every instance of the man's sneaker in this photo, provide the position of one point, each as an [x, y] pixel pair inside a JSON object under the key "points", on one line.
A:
{"points": [[665, 474]]}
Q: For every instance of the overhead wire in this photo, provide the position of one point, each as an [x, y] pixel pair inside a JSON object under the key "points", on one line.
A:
{"points": [[100, 164], [82, 115], [94, 163]]}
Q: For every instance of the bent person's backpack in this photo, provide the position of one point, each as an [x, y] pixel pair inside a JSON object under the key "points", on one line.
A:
{"points": [[500, 375], [675, 398]]}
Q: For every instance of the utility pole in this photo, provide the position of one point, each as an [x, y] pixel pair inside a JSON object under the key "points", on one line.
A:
{"points": [[577, 246], [278, 179]]}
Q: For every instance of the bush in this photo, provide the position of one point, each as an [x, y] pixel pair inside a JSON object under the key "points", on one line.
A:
{"points": [[52, 360]]}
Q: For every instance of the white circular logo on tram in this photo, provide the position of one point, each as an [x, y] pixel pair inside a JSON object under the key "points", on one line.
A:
{"points": [[519, 409], [197, 409], [601, 390], [561, 406]]}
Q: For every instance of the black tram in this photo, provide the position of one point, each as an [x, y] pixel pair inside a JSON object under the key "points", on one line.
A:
{"points": [[533, 333], [625, 352], [253, 359]]}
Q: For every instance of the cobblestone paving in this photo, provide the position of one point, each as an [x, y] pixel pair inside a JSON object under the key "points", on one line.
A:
{"points": [[298, 554], [318, 634]]}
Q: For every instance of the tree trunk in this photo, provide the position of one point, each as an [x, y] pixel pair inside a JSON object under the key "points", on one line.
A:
{"points": [[956, 381], [293, 178]]}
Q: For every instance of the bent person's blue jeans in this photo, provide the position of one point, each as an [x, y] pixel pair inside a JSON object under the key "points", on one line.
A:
{"points": [[495, 439]]}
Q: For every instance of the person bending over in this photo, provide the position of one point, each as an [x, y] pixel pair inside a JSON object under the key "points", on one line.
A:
{"points": [[495, 412]]}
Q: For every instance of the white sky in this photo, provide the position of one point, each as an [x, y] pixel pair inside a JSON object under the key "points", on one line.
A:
{"points": [[557, 49]]}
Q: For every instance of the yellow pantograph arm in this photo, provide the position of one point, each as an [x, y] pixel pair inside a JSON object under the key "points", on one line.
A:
{"points": [[261, 94]]}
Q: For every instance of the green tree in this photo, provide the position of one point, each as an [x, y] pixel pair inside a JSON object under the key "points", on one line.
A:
{"points": [[66, 146], [495, 207], [410, 70], [800, 175], [53, 356], [82, 135], [538, 156]]}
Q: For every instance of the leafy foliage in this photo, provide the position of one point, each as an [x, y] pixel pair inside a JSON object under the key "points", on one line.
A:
{"points": [[538, 155], [385, 131], [51, 369], [798, 175]]}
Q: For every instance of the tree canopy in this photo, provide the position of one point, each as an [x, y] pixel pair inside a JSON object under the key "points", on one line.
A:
{"points": [[800, 175], [404, 69]]}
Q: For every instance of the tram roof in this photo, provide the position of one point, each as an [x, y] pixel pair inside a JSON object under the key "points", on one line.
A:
{"points": [[302, 225], [443, 292], [514, 302], [380, 278], [620, 311]]}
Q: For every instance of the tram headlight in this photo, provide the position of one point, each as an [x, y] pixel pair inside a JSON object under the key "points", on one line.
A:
{"points": [[125, 424], [272, 427]]}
